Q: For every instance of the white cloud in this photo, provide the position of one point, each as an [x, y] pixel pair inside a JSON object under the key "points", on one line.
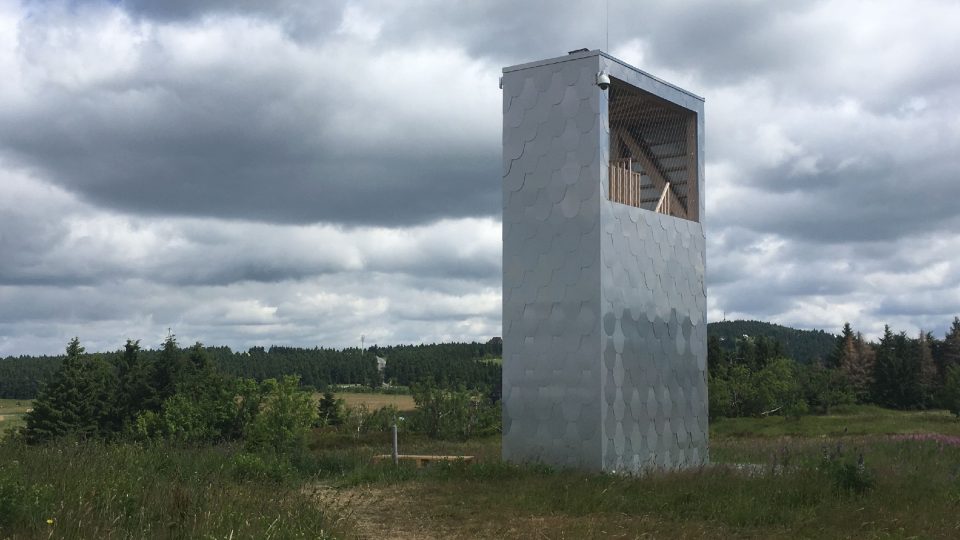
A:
{"points": [[304, 173]]}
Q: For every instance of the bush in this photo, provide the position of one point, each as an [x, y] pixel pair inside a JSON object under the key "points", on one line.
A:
{"points": [[285, 416], [846, 475], [454, 414], [360, 419], [383, 418], [208, 409], [739, 391], [720, 398]]}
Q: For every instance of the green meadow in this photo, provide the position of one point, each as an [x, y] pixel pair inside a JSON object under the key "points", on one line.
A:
{"points": [[865, 473]]}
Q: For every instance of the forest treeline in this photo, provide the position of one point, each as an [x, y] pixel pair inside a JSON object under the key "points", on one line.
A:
{"points": [[176, 394], [179, 395], [444, 364], [748, 374], [804, 346], [757, 377]]}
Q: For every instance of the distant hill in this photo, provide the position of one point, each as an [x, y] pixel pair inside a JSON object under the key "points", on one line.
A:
{"points": [[802, 345]]}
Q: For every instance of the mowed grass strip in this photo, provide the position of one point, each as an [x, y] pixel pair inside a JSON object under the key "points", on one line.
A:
{"points": [[375, 401]]}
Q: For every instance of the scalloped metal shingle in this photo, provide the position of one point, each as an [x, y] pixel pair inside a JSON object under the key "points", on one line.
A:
{"points": [[604, 306]]}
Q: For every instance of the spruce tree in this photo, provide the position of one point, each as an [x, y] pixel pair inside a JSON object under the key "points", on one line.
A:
{"points": [[950, 394], [928, 383], [77, 401], [843, 349], [897, 372], [950, 349], [858, 368], [885, 371]]}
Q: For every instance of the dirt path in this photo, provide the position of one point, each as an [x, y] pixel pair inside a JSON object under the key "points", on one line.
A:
{"points": [[386, 513], [418, 513]]}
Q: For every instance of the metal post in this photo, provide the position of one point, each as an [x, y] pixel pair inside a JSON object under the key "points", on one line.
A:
{"points": [[396, 454]]}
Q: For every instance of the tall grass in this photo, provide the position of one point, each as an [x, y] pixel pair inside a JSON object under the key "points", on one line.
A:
{"points": [[822, 484], [93, 490], [766, 488], [854, 475], [848, 420]]}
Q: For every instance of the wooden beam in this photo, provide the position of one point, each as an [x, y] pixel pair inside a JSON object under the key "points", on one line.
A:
{"points": [[653, 170]]}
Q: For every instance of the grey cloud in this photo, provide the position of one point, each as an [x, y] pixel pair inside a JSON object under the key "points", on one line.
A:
{"points": [[252, 173], [284, 134], [879, 203], [330, 310], [927, 305], [77, 245]]}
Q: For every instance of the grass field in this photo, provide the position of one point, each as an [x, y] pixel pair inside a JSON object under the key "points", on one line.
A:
{"points": [[910, 486], [769, 479], [95, 490], [375, 401], [852, 420], [12, 411]]}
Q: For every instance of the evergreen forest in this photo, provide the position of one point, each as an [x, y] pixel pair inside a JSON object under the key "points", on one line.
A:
{"points": [[754, 368]]}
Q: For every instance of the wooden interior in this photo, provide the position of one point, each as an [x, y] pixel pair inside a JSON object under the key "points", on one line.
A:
{"points": [[653, 153]]}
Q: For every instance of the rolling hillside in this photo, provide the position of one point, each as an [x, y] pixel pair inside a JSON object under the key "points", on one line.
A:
{"points": [[802, 345]]}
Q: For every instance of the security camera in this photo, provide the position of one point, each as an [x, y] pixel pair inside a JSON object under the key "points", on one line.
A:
{"points": [[603, 80]]}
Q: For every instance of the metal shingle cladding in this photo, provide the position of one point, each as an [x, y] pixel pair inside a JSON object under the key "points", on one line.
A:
{"points": [[604, 304]]}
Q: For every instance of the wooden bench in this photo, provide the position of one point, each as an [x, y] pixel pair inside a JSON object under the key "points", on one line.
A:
{"points": [[421, 460]]}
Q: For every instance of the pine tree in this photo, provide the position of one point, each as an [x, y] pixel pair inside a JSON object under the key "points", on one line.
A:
{"points": [[857, 365], [77, 401], [950, 350], [135, 390], [170, 368], [928, 379], [844, 347], [897, 372], [951, 390], [885, 370], [330, 410]]}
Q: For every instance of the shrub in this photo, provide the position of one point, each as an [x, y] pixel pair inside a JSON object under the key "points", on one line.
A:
{"points": [[383, 418], [774, 388], [846, 475], [360, 419], [285, 416], [454, 414]]}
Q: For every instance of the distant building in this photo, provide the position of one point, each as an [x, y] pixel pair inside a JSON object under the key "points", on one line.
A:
{"points": [[381, 363]]}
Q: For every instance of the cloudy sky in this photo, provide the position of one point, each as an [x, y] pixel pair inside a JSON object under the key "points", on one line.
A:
{"points": [[254, 173]]}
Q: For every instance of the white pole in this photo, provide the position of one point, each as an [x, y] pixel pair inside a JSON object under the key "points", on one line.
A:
{"points": [[396, 453]]}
